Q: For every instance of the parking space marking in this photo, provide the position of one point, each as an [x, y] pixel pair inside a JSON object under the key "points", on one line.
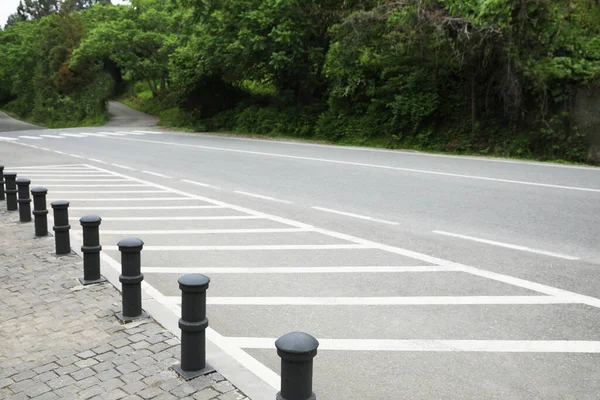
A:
{"points": [[98, 161], [30, 137], [147, 208], [122, 166], [8, 139], [508, 245], [262, 197], [200, 184], [129, 199], [156, 174], [495, 346], [205, 231], [75, 135], [251, 247], [184, 218], [68, 175], [383, 221], [384, 301], [85, 180], [53, 136], [98, 186], [108, 191], [293, 270]]}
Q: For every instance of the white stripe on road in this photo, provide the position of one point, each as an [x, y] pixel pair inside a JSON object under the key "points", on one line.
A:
{"points": [[59, 175], [75, 155], [151, 133], [122, 166], [200, 184], [252, 247], [262, 197], [86, 180], [60, 166], [325, 160], [145, 208], [132, 133], [383, 221], [53, 136], [107, 191], [96, 134], [155, 174], [508, 245], [489, 346], [292, 270], [10, 139], [31, 137], [201, 231], [94, 186], [113, 134], [98, 161], [76, 135], [132, 199], [191, 218], [384, 301]]}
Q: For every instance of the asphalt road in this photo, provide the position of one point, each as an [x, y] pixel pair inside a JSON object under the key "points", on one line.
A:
{"points": [[424, 276]]}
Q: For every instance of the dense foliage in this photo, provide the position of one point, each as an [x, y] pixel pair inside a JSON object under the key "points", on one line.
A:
{"points": [[502, 77]]}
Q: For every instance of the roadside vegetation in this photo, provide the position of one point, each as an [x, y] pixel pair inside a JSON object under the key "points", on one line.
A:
{"points": [[517, 78]]}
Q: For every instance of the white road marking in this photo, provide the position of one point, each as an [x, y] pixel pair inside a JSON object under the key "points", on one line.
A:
{"points": [[384, 301], [59, 152], [98, 161], [495, 346], [202, 231], [132, 133], [251, 247], [94, 186], [113, 134], [9, 139], [59, 166], [262, 197], [156, 174], [107, 191], [122, 166], [75, 155], [200, 184], [96, 134], [292, 270], [325, 160], [190, 218], [69, 175], [151, 133], [31, 137], [75, 135], [144, 208], [131, 199], [85, 180], [53, 136], [508, 245], [383, 221]]}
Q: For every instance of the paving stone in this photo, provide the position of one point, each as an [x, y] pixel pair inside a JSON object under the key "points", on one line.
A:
{"points": [[61, 381], [206, 394], [36, 389], [23, 375], [150, 392], [82, 373], [86, 354], [223, 386], [91, 392]]}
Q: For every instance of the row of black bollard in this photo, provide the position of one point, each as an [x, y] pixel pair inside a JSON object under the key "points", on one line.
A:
{"points": [[296, 349]]}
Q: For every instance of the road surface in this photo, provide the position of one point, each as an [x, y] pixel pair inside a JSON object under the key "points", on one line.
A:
{"points": [[423, 276]]}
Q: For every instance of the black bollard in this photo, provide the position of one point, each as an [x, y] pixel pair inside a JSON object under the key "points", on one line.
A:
{"points": [[40, 212], [61, 227], [297, 350], [24, 199], [2, 182], [193, 324], [11, 191], [131, 279], [91, 250]]}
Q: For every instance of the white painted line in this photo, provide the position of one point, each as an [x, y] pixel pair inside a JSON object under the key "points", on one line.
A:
{"points": [[98, 161], [52, 136], [113, 134], [388, 167], [156, 174], [85, 180], [490, 346], [122, 166], [75, 155], [201, 231], [58, 166], [251, 247], [151, 133], [8, 138], [108, 191], [59, 152], [383, 221], [508, 245], [70, 175], [383, 301], [76, 135], [200, 184], [291, 270], [94, 186], [131, 199], [45, 148], [145, 208], [262, 197], [31, 137], [96, 134], [191, 218], [132, 133]]}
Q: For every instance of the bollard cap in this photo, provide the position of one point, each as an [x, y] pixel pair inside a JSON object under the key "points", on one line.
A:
{"points": [[193, 282], [297, 346], [60, 204], [90, 220], [23, 181], [130, 245], [1, 167], [39, 190], [10, 174]]}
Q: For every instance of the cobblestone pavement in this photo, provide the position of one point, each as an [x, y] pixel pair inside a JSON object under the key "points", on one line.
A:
{"points": [[60, 340]]}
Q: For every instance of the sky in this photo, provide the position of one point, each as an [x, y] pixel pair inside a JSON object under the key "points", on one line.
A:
{"points": [[8, 7]]}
